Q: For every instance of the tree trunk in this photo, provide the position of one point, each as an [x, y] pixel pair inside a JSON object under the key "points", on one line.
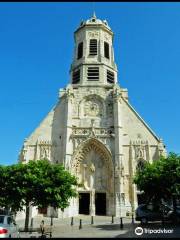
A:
{"points": [[26, 226]]}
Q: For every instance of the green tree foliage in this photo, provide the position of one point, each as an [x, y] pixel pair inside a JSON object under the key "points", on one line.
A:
{"points": [[10, 184], [160, 179], [37, 183]]}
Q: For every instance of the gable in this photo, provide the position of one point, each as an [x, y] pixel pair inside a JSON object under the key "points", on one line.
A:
{"points": [[134, 125]]}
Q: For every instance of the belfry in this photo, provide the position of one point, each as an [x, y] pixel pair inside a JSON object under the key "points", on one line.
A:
{"points": [[94, 131]]}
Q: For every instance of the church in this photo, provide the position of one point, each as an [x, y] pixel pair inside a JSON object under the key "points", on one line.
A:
{"points": [[94, 131]]}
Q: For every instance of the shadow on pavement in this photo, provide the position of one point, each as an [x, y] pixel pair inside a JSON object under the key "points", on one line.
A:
{"points": [[151, 230], [113, 227]]}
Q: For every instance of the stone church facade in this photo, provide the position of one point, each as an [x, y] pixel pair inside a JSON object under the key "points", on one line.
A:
{"points": [[94, 131]]}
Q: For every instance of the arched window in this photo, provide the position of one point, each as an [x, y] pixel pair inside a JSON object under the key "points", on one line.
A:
{"points": [[80, 50], [93, 47], [106, 50], [140, 165]]}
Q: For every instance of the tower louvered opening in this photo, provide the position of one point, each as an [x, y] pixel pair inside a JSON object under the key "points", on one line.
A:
{"points": [[93, 74], [110, 76], [93, 47], [106, 50], [80, 50], [76, 76]]}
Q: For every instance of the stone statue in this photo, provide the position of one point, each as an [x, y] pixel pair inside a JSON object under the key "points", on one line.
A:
{"points": [[92, 167]]}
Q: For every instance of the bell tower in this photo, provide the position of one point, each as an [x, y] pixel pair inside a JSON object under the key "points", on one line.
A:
{"points": [[93, 62]]}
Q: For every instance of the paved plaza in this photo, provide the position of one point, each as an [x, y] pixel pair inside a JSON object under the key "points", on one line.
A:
{"points": [[101, 228]]}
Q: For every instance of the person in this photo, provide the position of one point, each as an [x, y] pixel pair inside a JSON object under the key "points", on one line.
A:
{"points": [[42, 227]]}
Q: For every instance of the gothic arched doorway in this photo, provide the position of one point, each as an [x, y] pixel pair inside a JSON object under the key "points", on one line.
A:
{"points": [[92, 164]]}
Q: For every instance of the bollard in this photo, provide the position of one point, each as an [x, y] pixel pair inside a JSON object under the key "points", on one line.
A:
{"points": [[51, 220], [31, 222], [132, 219], [112, 219], [92, 220], [121, 223], [72, 221], [80, 223], [162, 220]]}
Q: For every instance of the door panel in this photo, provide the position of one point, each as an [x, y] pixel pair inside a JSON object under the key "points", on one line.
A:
{"points": [[100, 202], [84, 201]]}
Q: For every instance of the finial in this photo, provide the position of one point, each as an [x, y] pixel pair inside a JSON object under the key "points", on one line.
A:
{"points": [[93, 8], [94, 14]]}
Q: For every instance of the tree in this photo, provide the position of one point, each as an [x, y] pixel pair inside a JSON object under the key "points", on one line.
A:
{"points": [[160, 179], [10, 184], [37, 183]]}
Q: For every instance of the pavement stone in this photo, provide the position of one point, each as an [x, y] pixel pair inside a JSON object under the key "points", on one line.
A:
{"points": [[102, 228]]}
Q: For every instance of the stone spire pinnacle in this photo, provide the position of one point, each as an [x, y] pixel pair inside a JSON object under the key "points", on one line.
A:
{"points": [[94, 14]]}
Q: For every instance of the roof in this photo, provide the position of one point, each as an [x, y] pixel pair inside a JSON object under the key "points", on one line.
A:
{"points": [[145, 124], [94, 21]]}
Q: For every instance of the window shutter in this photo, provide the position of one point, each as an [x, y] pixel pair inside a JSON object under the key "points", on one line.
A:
{"points": [[93, 47], [93, 74], [76, 76]]}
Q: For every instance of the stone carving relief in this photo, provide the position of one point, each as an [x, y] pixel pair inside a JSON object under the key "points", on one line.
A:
{"points": [[118, 197], [93, 34], [42, 149], [92, 167], [69, 94], [90, 145], [117, 94], [140, 153], [162, 151], [106, 37], [96, 91], [92, 105], [93, 108], [45, 149], [110, 109], [140, 150], [91, 175], [106, 132], [22, 155], [44, 153], [75, 112], [122, 198], [79, 135]]}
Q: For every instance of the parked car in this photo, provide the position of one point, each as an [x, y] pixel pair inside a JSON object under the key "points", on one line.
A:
{"points": [[8, 227], [174, 216], [149, 212]]}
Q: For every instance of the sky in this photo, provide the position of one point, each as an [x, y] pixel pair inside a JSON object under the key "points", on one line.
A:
{"points": [[36, 50]]}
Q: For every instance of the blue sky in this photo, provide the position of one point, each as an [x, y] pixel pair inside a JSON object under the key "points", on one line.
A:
{"points": [[36, 48]]}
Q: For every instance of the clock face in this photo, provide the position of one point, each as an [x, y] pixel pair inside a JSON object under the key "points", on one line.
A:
{"points": [[91, 108]]}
